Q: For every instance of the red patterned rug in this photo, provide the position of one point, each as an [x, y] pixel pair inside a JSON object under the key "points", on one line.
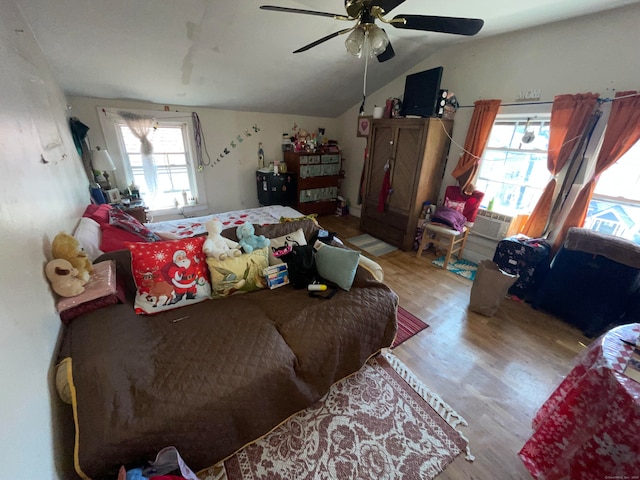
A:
{"points": [[381, 422], [408, 326]]}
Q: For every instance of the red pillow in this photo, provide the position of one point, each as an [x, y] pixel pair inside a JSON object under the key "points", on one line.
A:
{"points": [[98, 213], [114, 238], [169, 274]]}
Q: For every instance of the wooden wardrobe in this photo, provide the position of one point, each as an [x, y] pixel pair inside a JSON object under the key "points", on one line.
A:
{"points": [[413, 151]]}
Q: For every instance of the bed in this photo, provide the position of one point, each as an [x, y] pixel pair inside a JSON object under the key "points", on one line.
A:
{"points": [[210, 377]]}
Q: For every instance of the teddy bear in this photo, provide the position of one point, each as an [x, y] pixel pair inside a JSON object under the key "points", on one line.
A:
{"points": [[216, 246], [65, 246], [63, 278], [247, 238]]}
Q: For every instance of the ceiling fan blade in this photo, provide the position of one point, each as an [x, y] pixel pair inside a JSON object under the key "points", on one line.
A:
{"points": [[322, 40], [387, 5], [388, 54], [455, 25], [297, 10]]}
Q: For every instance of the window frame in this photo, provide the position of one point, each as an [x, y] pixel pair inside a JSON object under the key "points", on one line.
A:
{"points": [[110, 121], [622, 201], [537, 114]]}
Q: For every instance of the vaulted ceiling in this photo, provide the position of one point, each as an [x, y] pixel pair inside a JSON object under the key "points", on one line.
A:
{"points": [[233, 55]]}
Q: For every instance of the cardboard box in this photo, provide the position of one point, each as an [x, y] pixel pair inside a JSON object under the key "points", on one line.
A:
{"points": [[276, 275]]}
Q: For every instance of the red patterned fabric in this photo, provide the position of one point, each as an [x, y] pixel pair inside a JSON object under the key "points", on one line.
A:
{"points": [[589, 428], [169, 274], [125, 221]]}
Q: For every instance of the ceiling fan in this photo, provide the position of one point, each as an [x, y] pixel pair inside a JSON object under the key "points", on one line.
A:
{"points": [[367, 38]]}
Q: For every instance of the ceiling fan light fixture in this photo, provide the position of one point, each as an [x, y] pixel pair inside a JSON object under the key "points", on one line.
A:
{"points": [[355, 42], [378, 40], [367, 37]]}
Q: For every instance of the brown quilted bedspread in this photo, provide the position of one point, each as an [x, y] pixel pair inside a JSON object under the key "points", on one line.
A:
{"points": [[218, 379]]}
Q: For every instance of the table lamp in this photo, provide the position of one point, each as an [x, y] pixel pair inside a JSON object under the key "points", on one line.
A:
{"points": [[102, 162]]}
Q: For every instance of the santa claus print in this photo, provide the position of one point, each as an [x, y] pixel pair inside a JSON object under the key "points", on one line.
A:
{"points": [[182, 273]]}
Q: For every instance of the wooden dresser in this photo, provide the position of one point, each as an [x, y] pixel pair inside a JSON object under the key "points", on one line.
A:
{"points": [[318, 177], [414, 153]]}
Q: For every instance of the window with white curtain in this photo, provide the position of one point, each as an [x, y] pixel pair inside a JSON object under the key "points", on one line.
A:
{"points": [[513, 169], [172, 181], [171, 162], [615, 205]]}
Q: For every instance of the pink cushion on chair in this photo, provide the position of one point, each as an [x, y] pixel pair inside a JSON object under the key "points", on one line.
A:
{"points": [[471, 202]]}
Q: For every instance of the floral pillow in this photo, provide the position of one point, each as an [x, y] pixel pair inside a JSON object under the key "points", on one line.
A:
{"points": [[125, 221], [311, 216], [169, 274], [241, 274]]}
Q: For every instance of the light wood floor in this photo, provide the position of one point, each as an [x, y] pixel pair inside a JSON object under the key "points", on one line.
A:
{"points": [[494, 371]]}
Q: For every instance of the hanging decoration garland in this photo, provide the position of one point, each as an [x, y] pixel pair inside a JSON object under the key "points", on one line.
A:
{"points": [[201, 145]]}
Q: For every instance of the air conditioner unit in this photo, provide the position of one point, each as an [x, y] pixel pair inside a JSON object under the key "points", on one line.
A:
{"points": [[492, 225]]}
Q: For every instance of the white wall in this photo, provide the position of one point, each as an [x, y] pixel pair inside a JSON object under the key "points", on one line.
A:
{"points": [[597, 53], [38, 200], [230, 184]]}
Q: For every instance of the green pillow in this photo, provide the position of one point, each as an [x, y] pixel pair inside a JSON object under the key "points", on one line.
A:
{"points": [[338, 265]]}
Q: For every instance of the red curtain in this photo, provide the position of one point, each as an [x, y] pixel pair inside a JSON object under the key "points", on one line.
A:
{"points": [[623, 132], [569, 117], [484, 114]]}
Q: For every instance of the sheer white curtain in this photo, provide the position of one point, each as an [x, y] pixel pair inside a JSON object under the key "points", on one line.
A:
{"points": [[141, 127]]}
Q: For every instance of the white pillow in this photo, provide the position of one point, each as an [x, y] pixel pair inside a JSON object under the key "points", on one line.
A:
{"points": [[293, 238], [89, 236]]}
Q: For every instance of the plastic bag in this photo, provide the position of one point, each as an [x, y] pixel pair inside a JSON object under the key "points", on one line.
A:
{"points": [[489, 288]]}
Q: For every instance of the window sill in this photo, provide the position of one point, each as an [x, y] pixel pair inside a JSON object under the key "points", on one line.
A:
{"points": [[183, 211]]}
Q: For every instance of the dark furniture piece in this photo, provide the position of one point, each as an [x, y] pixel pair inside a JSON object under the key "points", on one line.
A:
{"points": [[594, 282], [137, 209], [318, 180], [276, 189], [405, 167]]}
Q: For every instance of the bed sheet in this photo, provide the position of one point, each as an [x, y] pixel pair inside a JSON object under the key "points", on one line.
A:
{"points": [[189, 227]]}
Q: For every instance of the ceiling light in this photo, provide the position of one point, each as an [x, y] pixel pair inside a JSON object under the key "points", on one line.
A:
{"points": [[367, 37], [355, 42], [378, 40]]}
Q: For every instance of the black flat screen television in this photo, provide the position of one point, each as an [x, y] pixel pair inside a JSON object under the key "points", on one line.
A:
{"points": [[422, 92]]}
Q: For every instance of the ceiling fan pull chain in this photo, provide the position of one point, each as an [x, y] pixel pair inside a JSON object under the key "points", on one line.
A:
{"points": [[365, 47]]}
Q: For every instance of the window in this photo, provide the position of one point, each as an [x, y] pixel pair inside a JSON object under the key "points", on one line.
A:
{"points": [[513, 169], [171, 181], [615, 205], [171, 164]]}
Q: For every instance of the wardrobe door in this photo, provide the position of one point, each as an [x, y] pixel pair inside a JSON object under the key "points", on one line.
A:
{"points": [[381, 152], [405, 166]]}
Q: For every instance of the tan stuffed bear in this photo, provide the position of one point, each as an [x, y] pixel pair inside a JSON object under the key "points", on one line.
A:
{"points": [[65, 246], [63, 278], [216, 246]]}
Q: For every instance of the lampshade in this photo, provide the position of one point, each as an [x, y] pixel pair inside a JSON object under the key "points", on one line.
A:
{"points": [[367, 37], [355, 42], [378, 40], [101, 160]]}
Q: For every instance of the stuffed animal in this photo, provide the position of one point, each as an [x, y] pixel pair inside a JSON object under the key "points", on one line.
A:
{"points": [[63, 278], [216, 246], [65, 246], [248, 241]]}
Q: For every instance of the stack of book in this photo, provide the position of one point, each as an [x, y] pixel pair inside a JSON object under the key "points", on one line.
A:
{"points": [[276, 275]]}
